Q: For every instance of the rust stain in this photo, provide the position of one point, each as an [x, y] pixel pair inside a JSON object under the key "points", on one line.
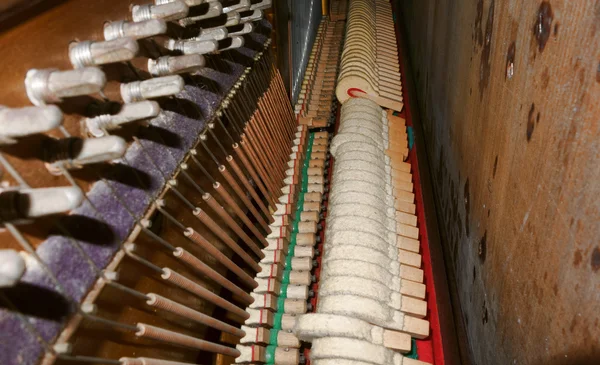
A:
{"points": [[573, 324], [485, 65], [577, 258], [543, 25], [495, 166], [510, 61], [477, 29], [482, 248], [484, 317], [595, 260], [539, 293], [580, 224], [467, 206], [545, 78], [514, 29], [507, 296], [530, 122]]}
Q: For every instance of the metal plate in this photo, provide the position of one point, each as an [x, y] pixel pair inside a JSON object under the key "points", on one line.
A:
{"points": [[306, 16]]}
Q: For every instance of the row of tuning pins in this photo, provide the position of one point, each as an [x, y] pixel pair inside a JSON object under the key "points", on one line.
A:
{"points": [[212, 26]]}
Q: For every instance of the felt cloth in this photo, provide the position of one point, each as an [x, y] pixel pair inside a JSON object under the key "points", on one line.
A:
{"points": [[18, 345]]}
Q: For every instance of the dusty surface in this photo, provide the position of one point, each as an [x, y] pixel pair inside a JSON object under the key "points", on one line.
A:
{"points": [[508, 94]]}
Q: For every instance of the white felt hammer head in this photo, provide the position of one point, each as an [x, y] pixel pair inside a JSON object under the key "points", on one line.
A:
{"points": [[173, 10], [216, 33], [128, 113], [192, 46], [240, 6], [152, 88], [12, 268], [139, 30], [88, 53], [214, 9], [265, 4], [89, 151], [171, 65], [187, 2], [51, 85], [33, 203], [20, 122]]}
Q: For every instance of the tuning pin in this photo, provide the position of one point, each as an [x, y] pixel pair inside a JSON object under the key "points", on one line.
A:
{"points": [[12, 268], [19, 205], [128, 113], [173, 10], [232, 43], [214, 9], [250, 16], [189, 3], [75, 152], [233, 18], [240, 29], [152, 88], [241, 6], [265, 4], [50, 85], [192, 46], [88, 53], [170, 65], [216, 33], [25, 121], [139, 30]]}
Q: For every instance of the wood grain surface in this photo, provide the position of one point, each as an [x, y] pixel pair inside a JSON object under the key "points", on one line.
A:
{"points": [[508, 94]]}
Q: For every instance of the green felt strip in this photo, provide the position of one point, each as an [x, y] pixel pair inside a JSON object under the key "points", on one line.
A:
{"points": [[413, 350], [270, 354], [273, 337], [285, 278], [292, 245], [277, 318], [283, 290], [280, 305]]}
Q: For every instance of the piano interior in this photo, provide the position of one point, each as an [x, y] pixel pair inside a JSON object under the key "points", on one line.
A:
{"points": [[345, 182]]}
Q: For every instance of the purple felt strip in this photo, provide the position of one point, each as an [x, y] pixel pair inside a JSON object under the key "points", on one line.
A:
{"points": [[69, 259]]}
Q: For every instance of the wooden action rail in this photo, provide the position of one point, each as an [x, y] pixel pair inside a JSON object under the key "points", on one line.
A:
{"points": [[285, 278], [369, 66], [316, 97], [337, 10]]}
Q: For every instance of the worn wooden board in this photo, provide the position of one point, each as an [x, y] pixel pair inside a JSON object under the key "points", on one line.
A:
{"points": [[508, 92], [39, 38]]}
